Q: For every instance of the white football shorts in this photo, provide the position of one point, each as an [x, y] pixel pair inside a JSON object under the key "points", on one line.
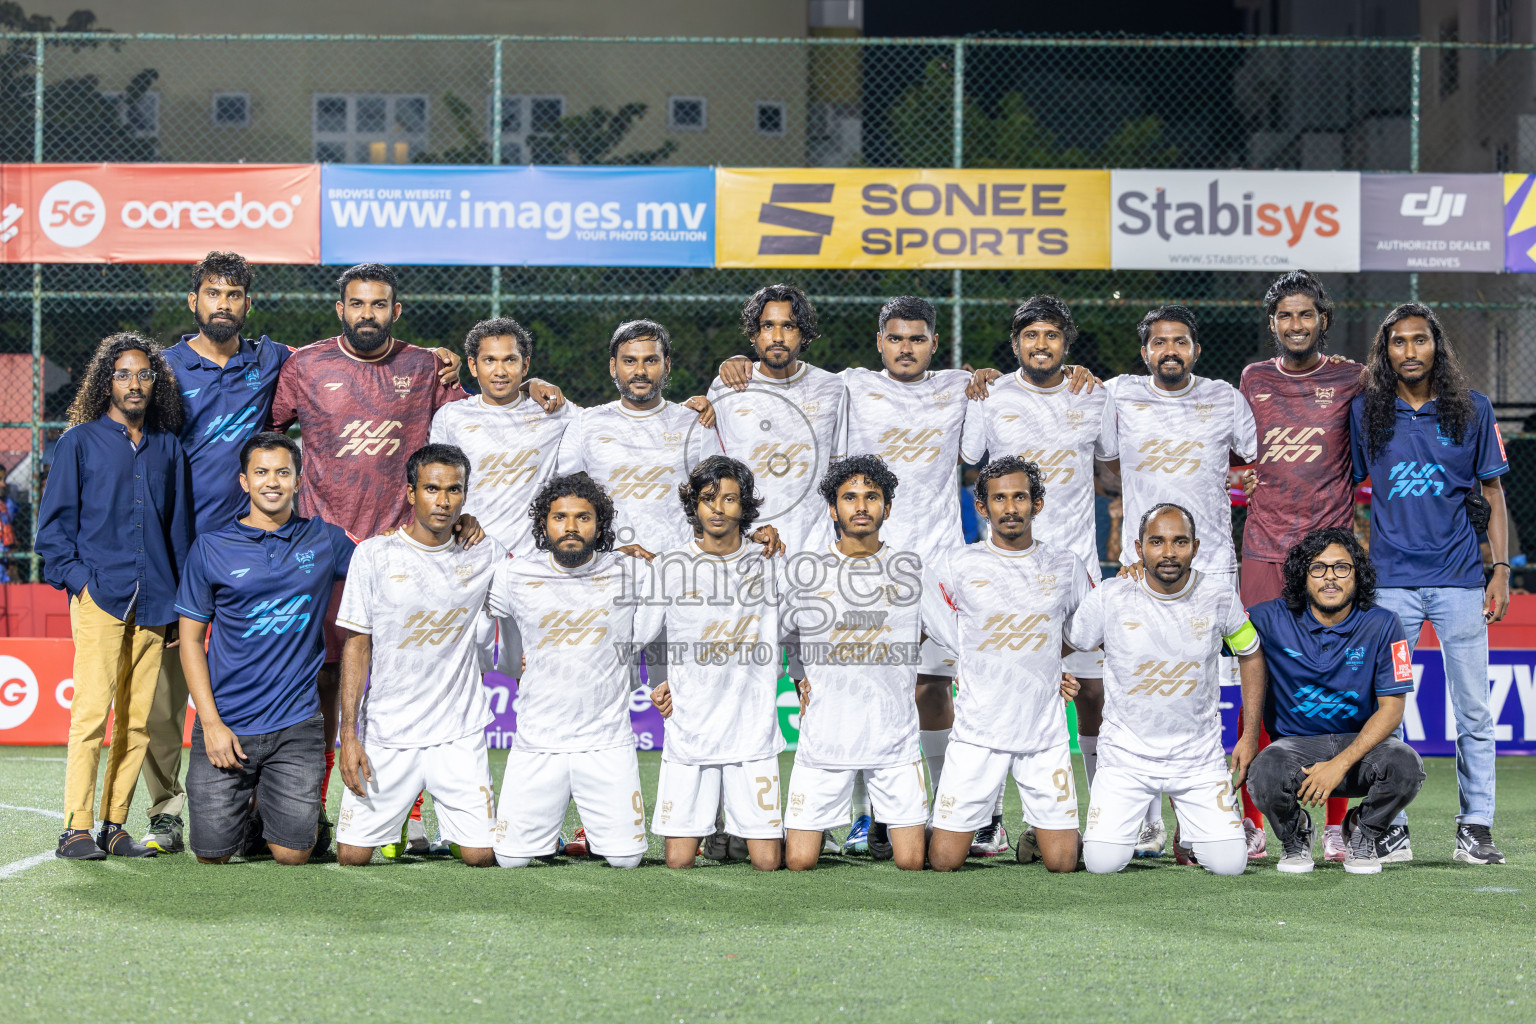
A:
{"points": [[967, 790], [456, 773], [1206, 805], [935, 661], [687, 796], [821, 798], [1085, 664], [537, 787]]}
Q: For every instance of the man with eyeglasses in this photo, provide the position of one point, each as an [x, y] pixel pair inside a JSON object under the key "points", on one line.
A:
{"points": [[1339, 677]]}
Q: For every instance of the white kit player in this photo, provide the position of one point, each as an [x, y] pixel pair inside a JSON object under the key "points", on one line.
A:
{"points": [[786, 419], [1013, 598], [858, 624], [573, 737], [411, 610], [1162, 635], [719, 597]]}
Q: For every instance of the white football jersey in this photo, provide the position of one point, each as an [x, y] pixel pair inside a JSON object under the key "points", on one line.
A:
{"points": [[1174, 447], [512, 451], [423, 607], [1063, 433], [787, 432], [577, 627], [724, 639], [858, 629], [640, 458], [922, 431], [1162, 672], [1010, 611]]}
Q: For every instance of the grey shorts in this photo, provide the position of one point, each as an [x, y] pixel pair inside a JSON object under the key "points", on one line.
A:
{"points": [[282, 769]]}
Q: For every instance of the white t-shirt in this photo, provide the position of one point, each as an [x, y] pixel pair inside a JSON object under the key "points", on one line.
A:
{"points": [[921, 430], [723, 631], [422, 607], [787, 432], [577, 627], [1010, 610], [640, 458], [511, 451], [1162, 674], [858, 631], [1063, 433], [1174, 447]]}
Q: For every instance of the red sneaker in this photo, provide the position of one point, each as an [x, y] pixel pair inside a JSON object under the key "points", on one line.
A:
{"points": [[577, 847]]}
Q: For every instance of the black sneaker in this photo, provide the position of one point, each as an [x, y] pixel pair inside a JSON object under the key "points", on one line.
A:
{"points": [[1474, 845], [1391, 846], [115, 840], [880, 842], [252, 842], [77, 844], [322, 839]]}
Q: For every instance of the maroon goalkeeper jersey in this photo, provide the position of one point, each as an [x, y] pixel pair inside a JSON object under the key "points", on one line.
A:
{"points": [[360, 421], [1303, 465]]}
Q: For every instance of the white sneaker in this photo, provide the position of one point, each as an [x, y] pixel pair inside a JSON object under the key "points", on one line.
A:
{"points": [[990, 840], [1296, 852], [1153, 839]]}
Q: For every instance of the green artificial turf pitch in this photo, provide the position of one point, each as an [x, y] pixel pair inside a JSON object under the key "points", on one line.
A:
{"points": [[168, 939]]}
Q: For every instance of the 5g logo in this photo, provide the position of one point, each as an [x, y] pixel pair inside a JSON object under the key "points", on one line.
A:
{"points": [[72, 214]]}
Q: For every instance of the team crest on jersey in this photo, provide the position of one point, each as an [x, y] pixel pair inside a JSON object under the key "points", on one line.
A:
{"points": [[1354, 657], [253, 378], [1204, 410], [464, 572], [306, 560], [1200, 626], [533, 417], [1075, 417], [672, 438], [810, 408], [1323, 397], [942, 397], [402, 385], [1045, 581]]}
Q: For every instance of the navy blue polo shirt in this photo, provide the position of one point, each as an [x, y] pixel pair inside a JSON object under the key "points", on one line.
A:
{"points": [[222, 406], [1420, 533], [1325, 679], [117, 518], [265, 593]]}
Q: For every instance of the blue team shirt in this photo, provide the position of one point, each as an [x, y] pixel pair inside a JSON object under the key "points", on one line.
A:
{"points": [[1420, 533], [222, 406], [265, 593], [1325, 679]]}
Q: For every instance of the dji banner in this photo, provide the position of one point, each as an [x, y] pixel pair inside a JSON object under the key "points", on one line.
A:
{"points": [[1431, 222]]}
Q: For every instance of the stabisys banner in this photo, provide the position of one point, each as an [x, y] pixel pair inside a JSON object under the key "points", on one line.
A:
{"points": [[158, 213]]}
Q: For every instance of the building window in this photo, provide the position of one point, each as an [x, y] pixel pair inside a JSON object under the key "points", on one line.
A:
{"points": [[522, 116], [770, 117], [1450, 59], [141, 118], [232, 109], [687, 114], [373, 128]]}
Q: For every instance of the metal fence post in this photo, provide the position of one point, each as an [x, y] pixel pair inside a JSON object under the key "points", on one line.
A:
{"points": [[956, 288], [37, 327], [496, 159], [1415, 107]]}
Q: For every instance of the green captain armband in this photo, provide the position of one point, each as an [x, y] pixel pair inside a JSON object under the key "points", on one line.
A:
{"points": [[1244, 640]]}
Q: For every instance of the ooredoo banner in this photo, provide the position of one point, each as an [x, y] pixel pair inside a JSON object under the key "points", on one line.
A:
{"points": [[834, 217], [1235, 220], [534, 216], [1436, 222], [158, 213]]}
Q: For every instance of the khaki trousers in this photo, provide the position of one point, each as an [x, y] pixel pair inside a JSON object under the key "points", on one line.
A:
{"points": [[117, 664], [167, 723]]}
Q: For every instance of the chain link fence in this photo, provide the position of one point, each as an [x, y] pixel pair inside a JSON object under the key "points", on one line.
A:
{"points": [[1059, 103]]}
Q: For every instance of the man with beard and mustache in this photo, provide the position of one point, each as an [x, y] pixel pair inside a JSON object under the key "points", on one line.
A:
{"points": [[1162, 632], [576, 611], [1300, 401], [1175, 433], [1339, 679]]}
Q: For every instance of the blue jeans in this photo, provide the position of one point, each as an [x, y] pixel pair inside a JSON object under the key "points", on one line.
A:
{"points": [[1457, 615]]}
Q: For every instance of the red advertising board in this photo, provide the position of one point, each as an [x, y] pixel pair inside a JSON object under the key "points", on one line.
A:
{"points": [[158, 213]]}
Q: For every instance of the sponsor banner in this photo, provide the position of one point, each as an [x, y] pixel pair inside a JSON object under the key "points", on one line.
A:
{"points": [[810, 217], [1431, 222], [1519, 224], [158, 213], [511, 216], [1235, 220], [648, 725], [36, 685]]}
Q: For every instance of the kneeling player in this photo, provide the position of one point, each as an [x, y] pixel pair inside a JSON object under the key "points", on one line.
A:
{"points": [[576, 615], [411, 614], [720, 603], [1162, 636], [1013, 598]]}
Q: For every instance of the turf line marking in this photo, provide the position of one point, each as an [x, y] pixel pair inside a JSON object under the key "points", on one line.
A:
{"points": [[59, 759], [18, 866], [34, 810]]}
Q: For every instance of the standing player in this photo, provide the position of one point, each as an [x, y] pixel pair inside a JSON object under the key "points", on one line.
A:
{"points": [[719, 600], [573, 733], [1300, 401], [1162, 634], [859, 640], [1034, 413], [412, 615], [1014, 597]]}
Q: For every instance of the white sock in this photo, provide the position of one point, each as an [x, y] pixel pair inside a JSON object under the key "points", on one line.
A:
{"points": [[860, 796], [933, 743], [512, 862], [634, 861], [1154, 813], [997, 811], [1107, 858], [1223, 857], [1090, 748]]}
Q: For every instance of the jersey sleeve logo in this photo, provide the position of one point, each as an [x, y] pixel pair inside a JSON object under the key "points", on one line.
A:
{"points": [[1402, 662]]}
